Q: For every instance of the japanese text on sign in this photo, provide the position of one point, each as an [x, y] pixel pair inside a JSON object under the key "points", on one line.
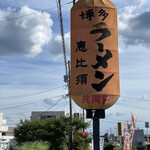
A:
{"points": [[95, 99], [101, 61], [89, 14]]}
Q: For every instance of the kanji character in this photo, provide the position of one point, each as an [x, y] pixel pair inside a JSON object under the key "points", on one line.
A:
{"points": [[85, 99], [79, 63], [82, 78], [88, 15], [95, 99], [81, 46], [103, 13]]}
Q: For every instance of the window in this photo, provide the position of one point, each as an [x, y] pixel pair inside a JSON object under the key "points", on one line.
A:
{"points": [[3, 133]]}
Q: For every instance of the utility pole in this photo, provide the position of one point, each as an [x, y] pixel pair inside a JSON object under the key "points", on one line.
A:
{"points": [[83, 118], [70, 103], [74, 2]]}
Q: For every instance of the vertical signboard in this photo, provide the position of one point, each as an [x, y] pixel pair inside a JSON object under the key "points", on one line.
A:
{"points": [[119, 129], [94, 54], [146, 124], [129, 133], [76, 115]]}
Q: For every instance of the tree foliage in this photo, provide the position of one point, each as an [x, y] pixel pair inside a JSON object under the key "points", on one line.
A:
{"points": [[54, 131], [108, 146], [81, 141]]}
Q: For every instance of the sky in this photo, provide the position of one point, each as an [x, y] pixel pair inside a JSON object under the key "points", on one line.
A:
{"points": [[32, 64]]}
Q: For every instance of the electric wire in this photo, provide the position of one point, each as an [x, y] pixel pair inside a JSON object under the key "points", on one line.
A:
{"points": [[38, 101], [120, 120], [74, 109], [60, 106], [33, 76], [21, 105], [28, 112], [60, 99], [28, 95], [19, 17], [133, 67], [133, 98]]}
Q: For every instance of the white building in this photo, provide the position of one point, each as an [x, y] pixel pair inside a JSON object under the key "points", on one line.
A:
{"points": [[3, 126], [8, 135]]}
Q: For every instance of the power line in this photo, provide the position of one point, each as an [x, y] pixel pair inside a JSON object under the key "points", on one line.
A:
{"points": [[60, 105], [23, 112], [134, 67], [33, 76], [29, 101], [60, 99], [27, 95], [21, 105], [24, 104], [74, 109], [139, 99], [11, 19], [117, 120]]}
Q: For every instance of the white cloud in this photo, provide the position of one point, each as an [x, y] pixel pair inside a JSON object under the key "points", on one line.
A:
{"points": [[24, 36], [134, 26], [142, 2], [56, 48]]}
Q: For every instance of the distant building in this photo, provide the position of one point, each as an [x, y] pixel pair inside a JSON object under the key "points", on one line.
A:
{"points": [[138, 139], [3, 126], [46, 115], [7, 135]]}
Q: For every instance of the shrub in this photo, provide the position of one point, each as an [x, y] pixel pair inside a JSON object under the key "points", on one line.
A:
{"points": [[108, 146], [118, 148], [33, 146]]}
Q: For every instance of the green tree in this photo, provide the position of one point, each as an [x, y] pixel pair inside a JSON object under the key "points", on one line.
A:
{"points": [[54, 131], [81, 141]]}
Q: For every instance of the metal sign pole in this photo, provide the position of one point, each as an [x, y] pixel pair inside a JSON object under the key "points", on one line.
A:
{"points": [[96, 115], [147, 136], [96, 131]]}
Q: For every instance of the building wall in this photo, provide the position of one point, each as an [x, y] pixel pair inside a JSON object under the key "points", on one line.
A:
{"points": [[138, 138], [46, 115], [8, 136]]}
